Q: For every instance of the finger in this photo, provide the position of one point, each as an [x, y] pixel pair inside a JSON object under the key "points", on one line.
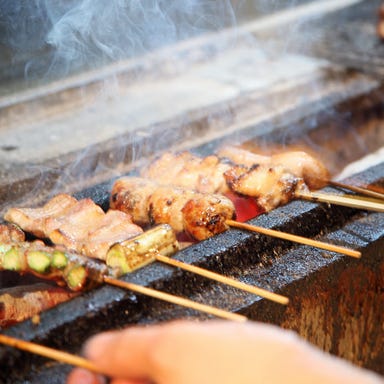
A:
{"points": [[82, 376], [123, 354], [129, 354]]}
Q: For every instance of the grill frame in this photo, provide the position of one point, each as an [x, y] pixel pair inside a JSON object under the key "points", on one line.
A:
{"points": [[295, 271]]}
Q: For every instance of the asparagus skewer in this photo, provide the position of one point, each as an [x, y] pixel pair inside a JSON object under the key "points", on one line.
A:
{"points": [[79, 272]]}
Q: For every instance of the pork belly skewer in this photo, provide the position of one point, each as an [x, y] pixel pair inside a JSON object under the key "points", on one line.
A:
{"points": [[81, 226], [185, 210], [74, 230], [79, 272]]}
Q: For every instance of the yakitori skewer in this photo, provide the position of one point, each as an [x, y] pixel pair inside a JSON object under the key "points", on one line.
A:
{"points": [[271, 180], [201, 215], [300, 164], [295, 238], [225, 280], [175, 299], [121, 253], [367, 191], [51, 353], [344, 200], [78, 272]]}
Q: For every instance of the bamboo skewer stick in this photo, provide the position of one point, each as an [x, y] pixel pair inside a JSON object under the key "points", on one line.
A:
{"points": [[295, 238], [175, 299], [364, 191], [50, 353], [346, 201], [223, 279], [159, 243]]}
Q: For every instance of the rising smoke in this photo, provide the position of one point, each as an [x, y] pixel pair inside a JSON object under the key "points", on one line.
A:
{"points": [[54, 38]]}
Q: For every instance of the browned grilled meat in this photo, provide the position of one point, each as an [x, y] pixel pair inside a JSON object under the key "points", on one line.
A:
{"points": [[299, 163], [271, 186], [11, 233], [23, 302], [189, 171], [198, 214], [34, 220], [82, 226]]}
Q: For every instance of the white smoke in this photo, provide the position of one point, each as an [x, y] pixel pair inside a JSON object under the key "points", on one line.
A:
{"points": [[90, 33]]}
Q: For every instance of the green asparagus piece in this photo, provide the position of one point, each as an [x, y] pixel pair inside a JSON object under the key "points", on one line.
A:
{"points": [[59, 260], [39, 261], [13, 260], [139, 251], [76, 271], [76, 277]]}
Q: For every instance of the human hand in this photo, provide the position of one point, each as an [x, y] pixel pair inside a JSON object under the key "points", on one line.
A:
{"points": [[186, 352]]}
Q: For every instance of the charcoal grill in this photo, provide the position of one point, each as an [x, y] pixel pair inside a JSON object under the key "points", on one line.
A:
{"points": [[335, 301]]}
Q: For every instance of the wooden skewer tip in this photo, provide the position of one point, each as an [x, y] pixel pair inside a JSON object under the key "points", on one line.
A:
{"points": [[176, 300], [50, 353], [295, 238], [224, 279]]}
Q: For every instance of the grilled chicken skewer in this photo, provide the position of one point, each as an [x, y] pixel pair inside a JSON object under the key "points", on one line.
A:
{"points": [[270, 184], [205, 214], [79, 272], [201, 215], [300, 163]]}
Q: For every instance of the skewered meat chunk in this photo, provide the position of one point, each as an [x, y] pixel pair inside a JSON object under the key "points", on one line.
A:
{"points": [[22, 302], [114, 227], [72, 228], [271, 186], [200, 215], [34, 220], [186, 170], [82, 226], [11, 233], [299, 163]]}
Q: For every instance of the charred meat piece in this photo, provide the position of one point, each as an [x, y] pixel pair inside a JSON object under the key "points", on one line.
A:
{"points": [[189, 171], [23, 302], [199, 214], [299, 163], [271, 186]]}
